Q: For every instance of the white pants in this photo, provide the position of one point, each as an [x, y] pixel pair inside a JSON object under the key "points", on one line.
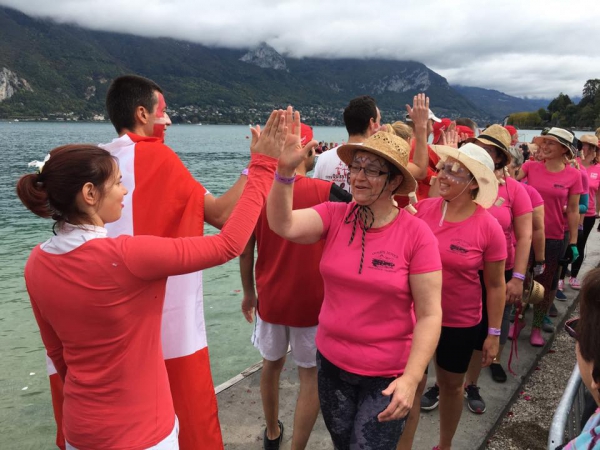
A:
{"points": [[171, 442]]}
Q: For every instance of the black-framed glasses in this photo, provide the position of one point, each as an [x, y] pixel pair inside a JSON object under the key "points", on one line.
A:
{"points": [[369, 171], [571, 327]]}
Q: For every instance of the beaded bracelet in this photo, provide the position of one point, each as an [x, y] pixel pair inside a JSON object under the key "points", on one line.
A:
{"points": [[494, 331], [285, 180], [518, 276], [245, 171]]}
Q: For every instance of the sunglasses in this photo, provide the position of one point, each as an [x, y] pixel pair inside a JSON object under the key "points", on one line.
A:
{"points": [[571, 327]]}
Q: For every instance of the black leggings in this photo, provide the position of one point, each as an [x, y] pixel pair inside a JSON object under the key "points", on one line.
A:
{"points": [[588, 225], [350, 404]]}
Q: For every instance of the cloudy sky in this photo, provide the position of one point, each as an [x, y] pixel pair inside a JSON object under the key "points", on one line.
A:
{"points": [[522, 47]]}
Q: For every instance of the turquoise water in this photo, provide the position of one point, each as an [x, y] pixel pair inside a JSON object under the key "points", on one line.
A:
{"points": [[214, 154]]}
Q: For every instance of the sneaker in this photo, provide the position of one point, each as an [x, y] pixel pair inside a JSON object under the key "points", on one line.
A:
{"points": [[273, 444], [431, 399], [553, 312], [574, 283], [548, 325], [498, 373], [560, 296], [474, 400]]}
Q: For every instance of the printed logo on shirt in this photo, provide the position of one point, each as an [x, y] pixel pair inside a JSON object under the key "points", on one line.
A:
{"points": [[384, 260], [459, 247], [559, 186], [594, 175]]}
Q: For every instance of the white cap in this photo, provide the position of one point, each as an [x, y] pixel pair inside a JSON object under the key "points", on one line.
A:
{"points": [[431, 116]]}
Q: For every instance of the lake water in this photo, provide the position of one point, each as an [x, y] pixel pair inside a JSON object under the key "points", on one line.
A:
{"points": [[215, 155]]}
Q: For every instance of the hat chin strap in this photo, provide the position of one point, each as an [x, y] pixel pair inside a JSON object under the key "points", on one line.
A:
{"points": [[445, 207]]}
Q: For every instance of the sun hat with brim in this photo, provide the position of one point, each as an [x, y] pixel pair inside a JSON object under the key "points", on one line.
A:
{"points": [[495, 135], [589, 139], [391, 148], [563, 137], [480, 164]]}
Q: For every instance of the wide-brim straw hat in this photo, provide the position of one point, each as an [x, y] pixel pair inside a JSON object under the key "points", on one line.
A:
{"points": [[391, 148], [477, 161], [563, 137], [589, 139], [498, 136]]}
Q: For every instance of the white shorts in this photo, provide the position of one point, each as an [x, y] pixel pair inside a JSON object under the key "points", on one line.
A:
{"points": [[171, 442], [272, 342]]}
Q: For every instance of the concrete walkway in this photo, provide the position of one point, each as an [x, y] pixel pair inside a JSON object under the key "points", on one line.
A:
{"points": [[242, 421]]}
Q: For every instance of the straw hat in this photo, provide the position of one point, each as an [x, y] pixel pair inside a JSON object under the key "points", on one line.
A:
{"points": [[589, 139], [563, 137], [480, 164], [391, 148], [495, 135]]}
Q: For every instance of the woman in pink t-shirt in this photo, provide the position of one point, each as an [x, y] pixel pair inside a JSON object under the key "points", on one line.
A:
{"points": [[559, 184], [589, 162], [98, 301], [381, 271], [470, 239]]}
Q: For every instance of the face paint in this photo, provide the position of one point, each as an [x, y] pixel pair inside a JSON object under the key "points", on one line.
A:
{"points": [[162, 119], [454, 173]]}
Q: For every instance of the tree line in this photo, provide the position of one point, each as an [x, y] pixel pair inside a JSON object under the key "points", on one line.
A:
{"points": [[563, 112]]}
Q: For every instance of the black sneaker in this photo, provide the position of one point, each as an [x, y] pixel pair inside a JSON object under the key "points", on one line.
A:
{"points": [[273, 444], [498, 373], [431, 399], [474, 400]]}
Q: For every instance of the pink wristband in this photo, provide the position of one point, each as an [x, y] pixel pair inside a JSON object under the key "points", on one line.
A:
{"points": [[285, 180], [518, 276], [245, 171], [494, 331]]}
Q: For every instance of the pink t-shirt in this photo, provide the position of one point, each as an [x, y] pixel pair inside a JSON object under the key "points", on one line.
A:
{"points": [[464, 247], [594, 180], [367, 320], [512, 202], [555, 188], [534, 196]]}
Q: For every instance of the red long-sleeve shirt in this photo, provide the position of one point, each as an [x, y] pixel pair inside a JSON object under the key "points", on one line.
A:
{"points": [[99, 310]]}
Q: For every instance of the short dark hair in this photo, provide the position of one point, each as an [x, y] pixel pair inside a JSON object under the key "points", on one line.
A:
{"points": [[53, 192], [589, 318], [358, 114], [124, 95]]}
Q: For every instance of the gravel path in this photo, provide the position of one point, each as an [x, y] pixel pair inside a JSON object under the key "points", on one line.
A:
{"points": [[527, 424]]}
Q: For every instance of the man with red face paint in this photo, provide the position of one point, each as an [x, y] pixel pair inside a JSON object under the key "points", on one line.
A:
{"points": [[165, 200]]}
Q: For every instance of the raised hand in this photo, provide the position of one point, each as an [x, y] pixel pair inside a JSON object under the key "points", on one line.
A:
{"points": [[450, 136], [270, 140], [293, 153], [419, 113]]}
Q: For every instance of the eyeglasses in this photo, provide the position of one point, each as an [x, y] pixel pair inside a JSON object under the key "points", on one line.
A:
{"points": [[460, 173], [571, 327], [369, 171]]}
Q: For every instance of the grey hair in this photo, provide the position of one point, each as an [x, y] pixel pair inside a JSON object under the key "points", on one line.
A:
{"points": [[517, 156]]}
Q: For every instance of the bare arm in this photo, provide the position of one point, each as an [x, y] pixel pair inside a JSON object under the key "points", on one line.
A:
{"points": [[303, 226], [427, 294], [523, 233], [493, 277], [539, 235], [247, 274], [218, 209], [419, 114], [573, 217]]}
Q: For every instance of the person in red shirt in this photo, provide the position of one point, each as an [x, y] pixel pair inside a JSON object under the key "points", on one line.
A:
{"points": [[290, 293], [102, 326]]}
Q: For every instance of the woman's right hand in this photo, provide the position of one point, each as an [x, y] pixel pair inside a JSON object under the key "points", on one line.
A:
{"points": [[293, 152], [270, 140]]}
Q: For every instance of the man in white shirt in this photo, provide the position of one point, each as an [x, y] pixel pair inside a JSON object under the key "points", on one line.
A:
{"points": [[362, 119]]}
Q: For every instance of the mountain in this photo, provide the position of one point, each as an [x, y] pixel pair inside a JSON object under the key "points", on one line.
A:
{"points": [[499, 104], [51, 70]]}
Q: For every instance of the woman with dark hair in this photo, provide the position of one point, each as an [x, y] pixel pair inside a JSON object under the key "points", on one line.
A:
{"points": [[589, 163], [380, 318], [585, 330], [559, 184], [98, 300]]}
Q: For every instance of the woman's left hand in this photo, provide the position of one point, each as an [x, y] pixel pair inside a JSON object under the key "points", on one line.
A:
{"points": [[490, 350], [403, 393], [514, 291]]}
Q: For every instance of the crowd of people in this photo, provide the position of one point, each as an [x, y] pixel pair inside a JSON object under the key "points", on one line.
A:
{"points": [[396, 253]]}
